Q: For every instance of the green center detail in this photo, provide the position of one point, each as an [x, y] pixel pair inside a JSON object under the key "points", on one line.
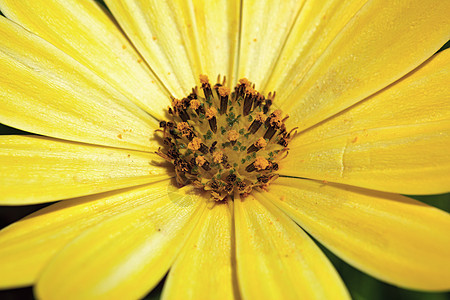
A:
{"points": [[225, 142]]}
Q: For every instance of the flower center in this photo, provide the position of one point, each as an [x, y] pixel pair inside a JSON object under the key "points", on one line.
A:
{"points": [[224, 142]]}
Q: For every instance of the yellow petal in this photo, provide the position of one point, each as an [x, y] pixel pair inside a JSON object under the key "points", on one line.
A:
{"points": [[276, 259], [27, 245], [125, 256], [154, 29], [394, 141], [203, 270], [376, 47], [265, 27], [210, 31], [37, 169], [419, 97], [316, 26], [44, 91], [83, 30], [391, 237], [407, 159]]}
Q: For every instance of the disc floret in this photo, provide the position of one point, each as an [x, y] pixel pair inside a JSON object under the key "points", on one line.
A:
{"points": [[225, 142]]}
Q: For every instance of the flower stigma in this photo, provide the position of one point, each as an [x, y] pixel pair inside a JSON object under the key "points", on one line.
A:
{"points": [[225, 142]]}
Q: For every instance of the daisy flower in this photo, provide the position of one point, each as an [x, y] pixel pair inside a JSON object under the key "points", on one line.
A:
{"points": [[161, 169]]}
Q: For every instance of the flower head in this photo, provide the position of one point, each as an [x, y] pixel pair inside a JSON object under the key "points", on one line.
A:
{"points": [[116, 94]]}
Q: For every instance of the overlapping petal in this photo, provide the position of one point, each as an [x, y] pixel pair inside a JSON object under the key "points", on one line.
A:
{"points": [[316, 26], [44, 91], [322, 57], [210, 32], [265, 27], [204, 268], [125, 256], [27, 245], [37, 169], [395, 141], [83, 30], [370, 52], [391, 237], [155, 29], [277, 260]]}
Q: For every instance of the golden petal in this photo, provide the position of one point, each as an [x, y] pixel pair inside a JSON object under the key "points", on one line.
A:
{"points": [[83, 30], [276, 259], [316, 26], [44, 91], [27, 246], [395, 141], [265, 26], [154, 29], [210, 31], [37, 169], [203, 270], [125, 256], [376, 47], [390, 237]]}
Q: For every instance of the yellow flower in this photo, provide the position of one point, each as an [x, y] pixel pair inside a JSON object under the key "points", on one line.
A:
{"points": [[358, 79]]}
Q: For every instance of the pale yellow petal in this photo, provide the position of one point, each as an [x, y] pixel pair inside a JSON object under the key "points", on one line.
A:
{"points": [[44, 91], [27, 245], [125, 256], [203, 270], [155, 29], [264, 29], [376, 47], [316, 26], [276, 259], [36, 169], [86, 32], [210, 30], [395, 141], [391, 237]]}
